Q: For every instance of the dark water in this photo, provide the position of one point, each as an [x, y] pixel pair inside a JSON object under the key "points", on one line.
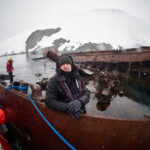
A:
{"points": [[137, 107]]}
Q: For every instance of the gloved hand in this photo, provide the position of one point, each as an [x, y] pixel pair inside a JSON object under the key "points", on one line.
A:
{"points": [[75, 115], [74, 106]]}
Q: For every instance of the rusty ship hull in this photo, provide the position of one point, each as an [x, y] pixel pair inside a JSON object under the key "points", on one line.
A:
{"points": [[113, 56], [132, 62], [89, 132]]}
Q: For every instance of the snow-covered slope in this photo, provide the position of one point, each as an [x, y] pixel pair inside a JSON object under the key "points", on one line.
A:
{"points": [[98, 26], [109, 26], [15, 44]]}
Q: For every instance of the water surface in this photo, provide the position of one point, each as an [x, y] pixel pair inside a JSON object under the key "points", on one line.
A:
{"points": [[33, 71]]}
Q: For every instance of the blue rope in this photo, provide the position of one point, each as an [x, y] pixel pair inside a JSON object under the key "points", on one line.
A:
{"points": [[55, 131], [13, 86], [20, 87], [9, 88], [17, 87]]}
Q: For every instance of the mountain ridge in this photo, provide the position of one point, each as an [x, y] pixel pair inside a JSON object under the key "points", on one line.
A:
{"points": [[101, 26]]}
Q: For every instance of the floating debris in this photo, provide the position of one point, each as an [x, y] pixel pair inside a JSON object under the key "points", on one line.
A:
{"points": [[38, 74]]}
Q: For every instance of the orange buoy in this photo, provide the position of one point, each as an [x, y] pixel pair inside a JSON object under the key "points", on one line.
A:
{"points": [[2, 117]]}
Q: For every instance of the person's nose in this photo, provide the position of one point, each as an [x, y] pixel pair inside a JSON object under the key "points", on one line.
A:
{"points": [[65, 65]]}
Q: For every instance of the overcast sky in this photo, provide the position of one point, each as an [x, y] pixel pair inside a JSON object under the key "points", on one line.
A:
{"points": [[19, 15]]}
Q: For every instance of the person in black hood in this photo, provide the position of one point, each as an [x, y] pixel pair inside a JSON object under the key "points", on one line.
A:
{"points": [[66, 91]]}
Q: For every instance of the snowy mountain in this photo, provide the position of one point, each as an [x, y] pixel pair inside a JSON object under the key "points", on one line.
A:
{"points": [[94, 30]]}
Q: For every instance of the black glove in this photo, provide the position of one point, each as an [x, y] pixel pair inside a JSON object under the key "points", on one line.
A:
{"points": [[74, 106], [75, 115]]}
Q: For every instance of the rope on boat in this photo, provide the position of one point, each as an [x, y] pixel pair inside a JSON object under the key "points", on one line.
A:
{"points": [[48, 123], [13, 86]]}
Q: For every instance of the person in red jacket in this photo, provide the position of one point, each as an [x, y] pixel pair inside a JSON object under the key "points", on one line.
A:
{"points": [[10, 69]]}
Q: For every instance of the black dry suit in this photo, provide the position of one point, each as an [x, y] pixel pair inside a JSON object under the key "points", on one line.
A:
{"points": [[65, 87]]}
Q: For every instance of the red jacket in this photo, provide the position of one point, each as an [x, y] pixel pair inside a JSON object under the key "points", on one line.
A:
{"points": [[9, 66]]}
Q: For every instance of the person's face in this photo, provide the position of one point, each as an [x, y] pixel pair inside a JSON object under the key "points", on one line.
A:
{"points": [[66, 67]]}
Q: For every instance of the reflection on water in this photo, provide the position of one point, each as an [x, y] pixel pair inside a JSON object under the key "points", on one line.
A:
{"points": [[140, 94], [102, 106], [121, 101]]}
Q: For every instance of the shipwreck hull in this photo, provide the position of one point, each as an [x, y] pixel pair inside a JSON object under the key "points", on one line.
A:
{"points": [[131, 62], [89, 132], [129, 55]]}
